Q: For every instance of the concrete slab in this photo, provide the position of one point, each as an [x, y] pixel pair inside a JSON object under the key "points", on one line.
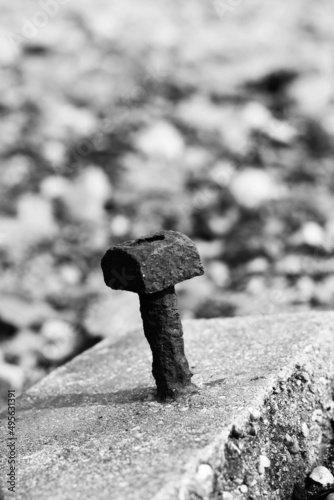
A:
{"points": [[92, 428]]}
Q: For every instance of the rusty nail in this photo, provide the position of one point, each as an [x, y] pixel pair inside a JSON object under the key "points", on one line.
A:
{"points": [[151, 266]]}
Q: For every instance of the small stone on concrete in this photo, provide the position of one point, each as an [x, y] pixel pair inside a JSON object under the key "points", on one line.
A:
{"points": [[250, 480], [317, 416], [237, 432], [264, 463], [205, 478], [294, 447], [321, 475], [305, 430], [304, 376], [254, 414]]}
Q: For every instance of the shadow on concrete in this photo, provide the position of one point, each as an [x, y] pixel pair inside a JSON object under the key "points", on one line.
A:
{"points": [[29, 402]]}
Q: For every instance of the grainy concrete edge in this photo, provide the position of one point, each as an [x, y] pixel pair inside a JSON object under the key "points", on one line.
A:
{"points": [[202, 478]]}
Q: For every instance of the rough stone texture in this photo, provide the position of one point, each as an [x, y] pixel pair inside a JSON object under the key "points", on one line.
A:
{"points": [[92, 428], [163, 330], [152, 263]]}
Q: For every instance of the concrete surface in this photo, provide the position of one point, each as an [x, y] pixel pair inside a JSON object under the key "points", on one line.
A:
{"points": [[92, 428]]}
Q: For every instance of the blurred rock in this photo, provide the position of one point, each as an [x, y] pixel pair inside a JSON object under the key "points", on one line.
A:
{"points": [[256, 285], [216, 307], [324, 290], [200, 113], [40, 277], [290, 264], [259, 118], [120, 226], [218, 273], [23, 314], [256, 115], [112, 314], [70, 274], [142, 177], [259, 265], [223, 224], [63, 120], [281, 132], [161, 140], [312, 94], [222, 173], [36, 216], [329, 229], [253, 187], [60, 341], [312, 234], [11, 377], [34, 224], [15, 171], [54, 186], [54, 152], [23, 348], [85, 199], [305, 287], [210, 249], [191, 297], [196, 160]]}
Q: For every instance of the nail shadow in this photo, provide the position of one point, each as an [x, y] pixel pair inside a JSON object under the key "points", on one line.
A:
{"points": [[128, 396]]}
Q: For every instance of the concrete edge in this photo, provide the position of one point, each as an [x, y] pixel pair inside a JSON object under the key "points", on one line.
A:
{"points": [[192, 485]]}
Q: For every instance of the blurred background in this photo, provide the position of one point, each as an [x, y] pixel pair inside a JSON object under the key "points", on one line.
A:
{"points": [[119, 118]]}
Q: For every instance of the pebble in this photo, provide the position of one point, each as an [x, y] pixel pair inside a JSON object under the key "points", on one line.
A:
{"points": [[274, 407], [161, 140], [304, 376], [253, 430], [254, 414], [243, 488], [312, 234], [120, 225], [233, 447], [259, 265], [264, 463], [11, 376], [54, 186], [219, 273], [305, 430], [317, 416], [250, 480], [238, 481], [227, 495], [205, 477], [321, 475], [60, 340], [253, 187], [330, 496], [294, 446]]}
